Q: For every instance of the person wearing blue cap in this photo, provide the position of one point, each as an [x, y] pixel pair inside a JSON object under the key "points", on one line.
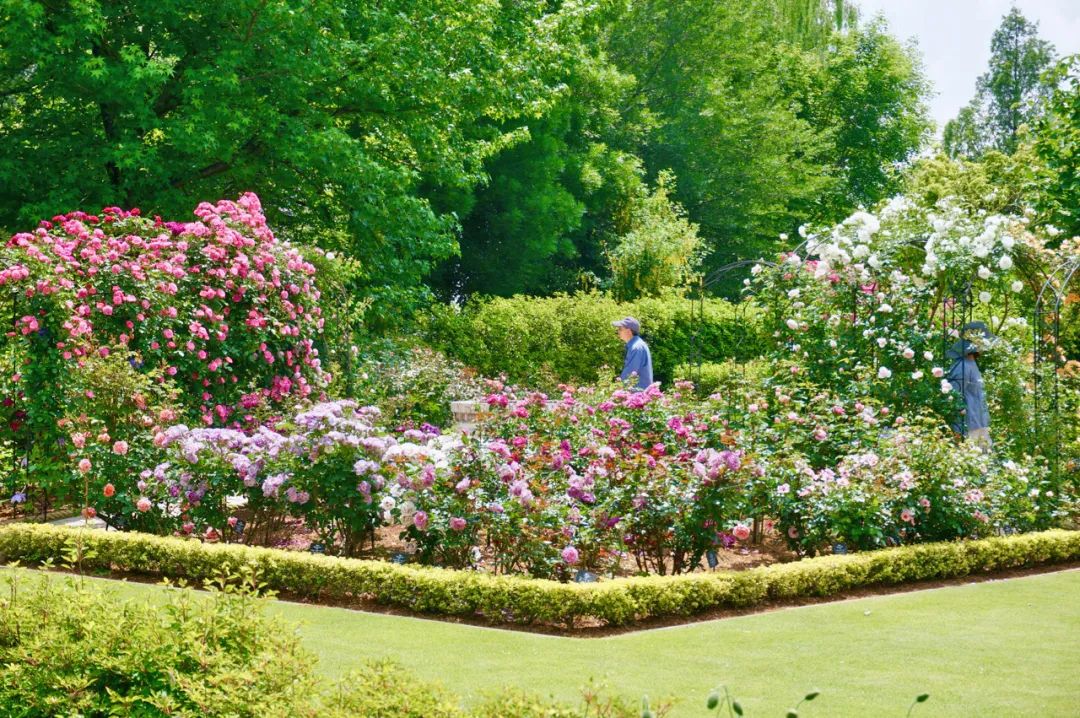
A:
{"points": [[637, 361]]}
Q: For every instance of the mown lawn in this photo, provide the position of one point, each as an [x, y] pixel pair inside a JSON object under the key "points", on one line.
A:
{"points": [[1000, 648]]}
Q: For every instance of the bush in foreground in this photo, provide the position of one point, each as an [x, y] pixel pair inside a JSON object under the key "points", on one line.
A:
{"points": [[69, 648]]}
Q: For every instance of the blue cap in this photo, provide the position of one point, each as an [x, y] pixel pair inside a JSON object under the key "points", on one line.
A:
{"points": [[628, 323]]}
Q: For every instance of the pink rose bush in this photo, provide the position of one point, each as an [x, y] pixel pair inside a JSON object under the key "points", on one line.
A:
{"points": [[216, 312]]}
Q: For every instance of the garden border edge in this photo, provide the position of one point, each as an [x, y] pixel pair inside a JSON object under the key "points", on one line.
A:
{"points": [[521, 600]]}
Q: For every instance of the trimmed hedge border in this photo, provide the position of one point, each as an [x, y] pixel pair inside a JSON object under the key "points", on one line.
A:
{"points": [[512, 599]]}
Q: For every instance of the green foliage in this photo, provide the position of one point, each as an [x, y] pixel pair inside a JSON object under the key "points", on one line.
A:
{"points": [[339, 117], [69, 648], [660, 251], [995, 183], [522, 600], [539, 221], [724, 378], [758, 129], [76, 650], [413, 386], [542, 341], [1056, 144], [1011, 93], [867, 96]]}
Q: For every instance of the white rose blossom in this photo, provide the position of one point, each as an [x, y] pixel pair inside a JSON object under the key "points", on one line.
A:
{"points": [[884, 373]]}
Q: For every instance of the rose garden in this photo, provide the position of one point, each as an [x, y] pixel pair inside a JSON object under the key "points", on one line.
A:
{"points": [[207, 399]]}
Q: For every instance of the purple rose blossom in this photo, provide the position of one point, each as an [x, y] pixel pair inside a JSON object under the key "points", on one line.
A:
{"points": [[462, 486], [731, 459], [427, 476], [457, 523], [570, 555], [273, 483], [297, 497], [420, 520]]}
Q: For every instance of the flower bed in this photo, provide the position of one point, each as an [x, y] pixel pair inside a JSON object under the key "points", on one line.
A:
{"points": [[511, 599], [588, 483]]}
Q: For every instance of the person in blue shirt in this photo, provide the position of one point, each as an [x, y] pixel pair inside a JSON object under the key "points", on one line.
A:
{"points": [[638, 361]]}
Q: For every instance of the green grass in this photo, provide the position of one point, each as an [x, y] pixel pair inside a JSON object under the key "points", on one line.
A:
{"points": [[1001, 648]]}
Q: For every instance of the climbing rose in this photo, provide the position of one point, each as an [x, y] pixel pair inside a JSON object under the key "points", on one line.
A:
{"points": [[109, 490]]}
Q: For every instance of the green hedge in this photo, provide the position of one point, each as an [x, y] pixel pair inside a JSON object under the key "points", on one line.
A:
{"points": [[567, 338], [724, 377], [511, 599]]}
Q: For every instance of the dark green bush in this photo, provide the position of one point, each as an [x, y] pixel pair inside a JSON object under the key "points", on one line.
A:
{"points": [[568, 338], [511, 599]]}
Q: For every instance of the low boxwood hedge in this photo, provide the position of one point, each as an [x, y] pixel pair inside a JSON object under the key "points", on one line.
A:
{"points": [[513, 599]]}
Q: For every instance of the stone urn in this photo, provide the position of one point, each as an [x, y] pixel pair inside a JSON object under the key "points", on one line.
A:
{"points": [[464, 413]]}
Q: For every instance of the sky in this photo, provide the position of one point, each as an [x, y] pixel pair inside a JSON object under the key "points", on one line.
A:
{"points": [[954, 38]]}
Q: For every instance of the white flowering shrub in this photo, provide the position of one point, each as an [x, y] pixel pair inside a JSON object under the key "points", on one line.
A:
{"points": [[871, 306]]}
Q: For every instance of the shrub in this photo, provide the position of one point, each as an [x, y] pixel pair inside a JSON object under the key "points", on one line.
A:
{"points": [[569, 338], [217, 309], [510, 599], [662, 249], [724, 378], [81, 652], [413, 386], [70, 648]]}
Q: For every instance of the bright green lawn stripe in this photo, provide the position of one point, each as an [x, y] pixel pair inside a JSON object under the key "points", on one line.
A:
{"points": [[1001, 648]]}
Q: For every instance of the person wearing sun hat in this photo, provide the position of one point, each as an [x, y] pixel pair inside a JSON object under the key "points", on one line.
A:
{"points": [[637, 361], [967, 380]]}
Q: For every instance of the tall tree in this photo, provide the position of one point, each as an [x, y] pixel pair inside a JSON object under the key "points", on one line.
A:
{"points": [[338, 114], [1010, 94], [764, 128], [540, 220], [1058, 146]]}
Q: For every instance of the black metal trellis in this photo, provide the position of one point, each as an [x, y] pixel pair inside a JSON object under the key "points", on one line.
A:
{"points": [[697, 306], [1046, 348]]}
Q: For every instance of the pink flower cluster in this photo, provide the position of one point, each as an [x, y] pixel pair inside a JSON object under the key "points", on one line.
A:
{"points": [[217, 304]]}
